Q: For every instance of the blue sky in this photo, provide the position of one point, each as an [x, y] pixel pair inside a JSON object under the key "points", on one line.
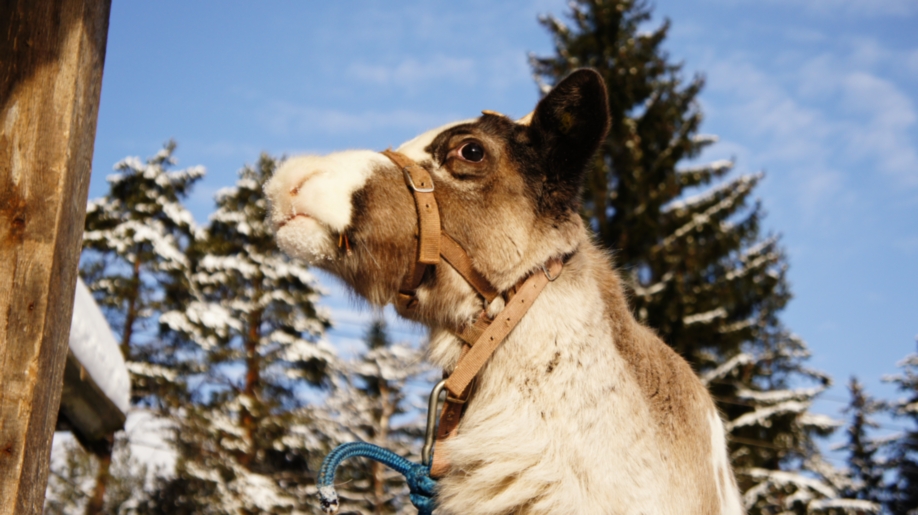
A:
{"points": [[821, 95]]}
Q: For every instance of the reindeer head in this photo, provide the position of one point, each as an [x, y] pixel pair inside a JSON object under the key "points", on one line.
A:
{"points": [[508, 194]]}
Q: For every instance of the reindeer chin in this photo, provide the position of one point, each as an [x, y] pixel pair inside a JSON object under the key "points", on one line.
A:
{"points": [[305, 238]]}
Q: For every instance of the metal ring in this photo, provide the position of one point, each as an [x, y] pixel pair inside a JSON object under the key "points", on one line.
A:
{"points": [[410, 182], [431, 421], [548, 275]]}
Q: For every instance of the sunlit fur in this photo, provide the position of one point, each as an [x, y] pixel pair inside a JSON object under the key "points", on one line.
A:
{"points": [[581, 410]]}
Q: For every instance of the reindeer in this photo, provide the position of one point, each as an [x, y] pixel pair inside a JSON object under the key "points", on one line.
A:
{"points": [[580, 409]]}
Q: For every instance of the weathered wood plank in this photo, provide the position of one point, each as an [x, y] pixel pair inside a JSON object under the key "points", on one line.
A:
{"points": [[51, 58], [92, 416]]}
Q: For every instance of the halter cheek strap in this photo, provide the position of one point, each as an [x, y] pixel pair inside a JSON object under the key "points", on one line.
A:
{"points": [[485, 335]]}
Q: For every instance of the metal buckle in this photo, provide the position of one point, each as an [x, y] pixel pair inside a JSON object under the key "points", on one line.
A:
{"points": [[410, 182], [548, 275], [431, 422]]}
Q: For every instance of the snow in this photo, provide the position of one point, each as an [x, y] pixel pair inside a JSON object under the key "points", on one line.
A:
{"points": [[739, 188], [653, 289], [775, 396], [93, 344], [703, 318], [762, 416], [807, 488], [707, 195], [731, 364], [817, 420], [149, 439], [849, 505]]}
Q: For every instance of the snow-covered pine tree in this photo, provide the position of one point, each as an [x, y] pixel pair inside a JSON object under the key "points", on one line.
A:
{"points": [[903, 492], [134, 244], [74, 473], [866, 465], [134, 261], [260, 333], [688, 240], [379, 399]]}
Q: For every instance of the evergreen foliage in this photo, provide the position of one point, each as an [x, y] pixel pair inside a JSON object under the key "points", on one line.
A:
{"points": [[688, 240], [135, 263], [865, 463], [73, 479], [903, 493], [260, 350]]}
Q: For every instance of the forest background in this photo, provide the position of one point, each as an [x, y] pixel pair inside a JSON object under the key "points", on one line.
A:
{"points": [[822, 98]]}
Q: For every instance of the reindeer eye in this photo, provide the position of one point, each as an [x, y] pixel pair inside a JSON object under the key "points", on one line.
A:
{"points": [[472, 151]]}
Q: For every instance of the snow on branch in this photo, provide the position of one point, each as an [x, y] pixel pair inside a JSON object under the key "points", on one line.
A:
{"points": [[776, 396], [653, 289], [740, 187], [805, 489], [742, 184], [704, 318], [852, 506], [762, 416], [732, 364], [822, 422], [706, 139]]}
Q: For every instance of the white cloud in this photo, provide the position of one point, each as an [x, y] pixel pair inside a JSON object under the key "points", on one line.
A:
{"points": [[911, 62], [823, 123], [498, 70], [858, 7], [411, 72], [286, 118], [887, 116], [846, 7]]}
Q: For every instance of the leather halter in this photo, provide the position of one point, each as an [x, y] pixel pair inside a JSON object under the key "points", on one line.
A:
{"points": [[482, 337]]}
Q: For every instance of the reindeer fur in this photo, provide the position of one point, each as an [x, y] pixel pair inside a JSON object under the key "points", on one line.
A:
{"points": [[582, 410]]}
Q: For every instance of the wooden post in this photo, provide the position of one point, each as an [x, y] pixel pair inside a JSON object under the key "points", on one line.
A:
{"points": [[51, 57]]}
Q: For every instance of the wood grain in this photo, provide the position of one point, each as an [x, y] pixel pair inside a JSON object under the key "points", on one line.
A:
{"points": [[51, 58]]}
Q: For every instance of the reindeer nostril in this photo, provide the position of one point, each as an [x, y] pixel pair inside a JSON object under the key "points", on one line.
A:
{"points": [[294, 191]]}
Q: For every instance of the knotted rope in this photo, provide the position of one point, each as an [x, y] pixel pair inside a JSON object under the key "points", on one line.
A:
{"points": [[420, 484]]}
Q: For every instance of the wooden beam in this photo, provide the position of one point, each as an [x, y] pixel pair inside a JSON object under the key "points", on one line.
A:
{"points": [[51, 57], [90, 414]]}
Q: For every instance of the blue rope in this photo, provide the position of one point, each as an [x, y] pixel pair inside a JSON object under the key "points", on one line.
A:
{"points": [[420, 484]]}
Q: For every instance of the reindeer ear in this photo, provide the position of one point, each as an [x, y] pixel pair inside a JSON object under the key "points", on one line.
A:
{"points": [[567, 127]]}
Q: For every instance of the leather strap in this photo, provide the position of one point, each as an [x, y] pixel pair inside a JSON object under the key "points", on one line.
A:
{"points": [[491, 338], [456, 256], [428, 252], [422, 186], [471, 333], [459, 383]]}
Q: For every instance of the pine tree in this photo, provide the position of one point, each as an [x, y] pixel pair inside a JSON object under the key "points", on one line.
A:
{"points": [[374, 402], [134, 243], [259, 332], [688, 241], [74, 471], [866, 467], [903, 493], [134, 261]]}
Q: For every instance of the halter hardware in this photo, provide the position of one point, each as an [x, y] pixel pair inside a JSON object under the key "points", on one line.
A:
{"points": [[431, 432], [410, 182]]}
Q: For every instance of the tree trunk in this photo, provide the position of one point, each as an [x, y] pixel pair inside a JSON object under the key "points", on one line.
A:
{"points": [[132, 308], [97, 502], [388, 408], [252, 377], [51, 57]]}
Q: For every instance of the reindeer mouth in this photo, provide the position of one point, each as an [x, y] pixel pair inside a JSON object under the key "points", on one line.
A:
{"points": [[292, 217]]}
